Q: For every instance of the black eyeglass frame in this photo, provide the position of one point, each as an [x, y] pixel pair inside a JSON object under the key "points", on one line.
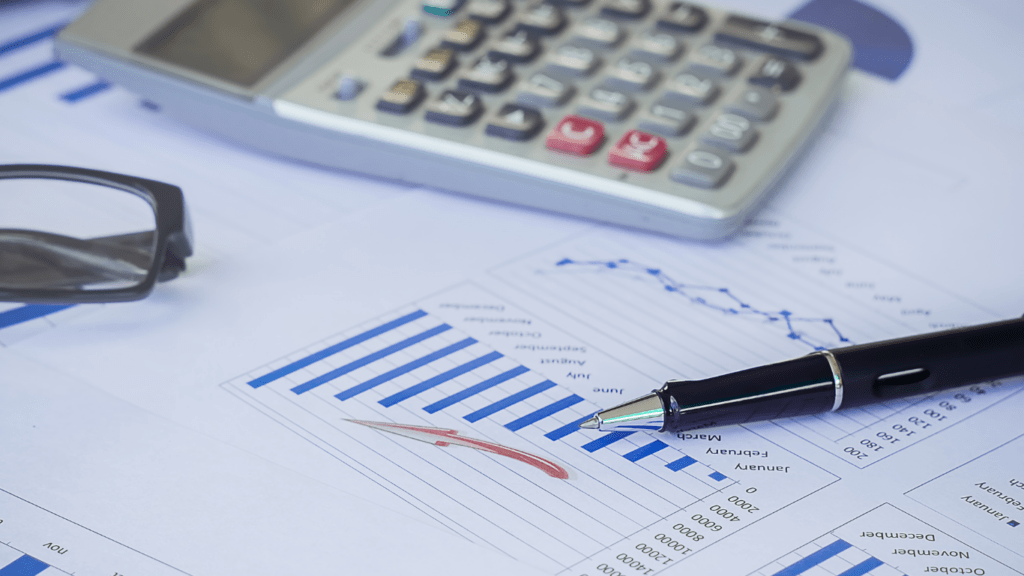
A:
{"points": [[173, 232]]}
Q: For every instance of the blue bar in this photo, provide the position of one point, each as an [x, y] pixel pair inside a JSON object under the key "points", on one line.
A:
{"points": [[30, 39], [29, 312], [12, 81], [513, 399], [544, 412], [404, 369], [475, 389], [24, 566], [605, 440], [678, 465], [717, 476], [863, 568], [812, 560], [559, 433], [330, 350], [337, 372], [645, 451], [84, 92], [439, 379]]}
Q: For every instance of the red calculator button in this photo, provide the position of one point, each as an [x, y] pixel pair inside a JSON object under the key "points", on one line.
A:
{"points": [[638, 151], [576, 135]]}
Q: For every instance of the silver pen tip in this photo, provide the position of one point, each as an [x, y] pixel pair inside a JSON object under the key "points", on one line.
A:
{"points": [[592, 424]]}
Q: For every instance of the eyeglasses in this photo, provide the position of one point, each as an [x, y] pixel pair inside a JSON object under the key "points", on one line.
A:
{"points": [[71, 235]]}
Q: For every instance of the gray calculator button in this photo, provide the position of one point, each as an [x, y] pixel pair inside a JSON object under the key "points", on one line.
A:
{"points": [[455, 108], [770, 37], [730, 132], [518, 46], [489, 11], [633, 75], [545, 91], [606, 103], [349, 87], [403, 96], [575, 60], [660, 45], [715, 60], [600, 32], [682, 17], [434, 65], [515, 122], [542, 18], [441, 7], [703, 167], [692, 88], [488, 75], [571, 3], [668, 120], [775, 71], [631, 9], [755, 103], [411, 31], [465, 35]]}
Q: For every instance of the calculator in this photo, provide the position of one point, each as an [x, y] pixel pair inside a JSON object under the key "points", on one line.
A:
{"points": [[667, 116]]}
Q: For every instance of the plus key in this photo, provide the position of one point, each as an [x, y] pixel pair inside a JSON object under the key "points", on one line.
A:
{"points": [[638, 151]]}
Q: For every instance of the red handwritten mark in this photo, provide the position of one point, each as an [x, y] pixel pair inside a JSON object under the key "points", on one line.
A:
{"points": [[445, 437]]}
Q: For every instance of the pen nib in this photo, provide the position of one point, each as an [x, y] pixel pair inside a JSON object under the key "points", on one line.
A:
{"points": [[592, 424]]}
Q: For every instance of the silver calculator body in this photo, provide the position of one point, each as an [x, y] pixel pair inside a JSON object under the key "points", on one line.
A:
{"points": [[660, 115]]}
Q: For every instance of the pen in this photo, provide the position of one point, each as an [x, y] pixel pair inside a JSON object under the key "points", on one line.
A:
{"points": [[827, 380]]}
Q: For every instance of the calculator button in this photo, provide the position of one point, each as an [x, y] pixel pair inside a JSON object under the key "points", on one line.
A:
{"points": [[576, 135], [660, 45], [411, 32], [632, 9], [349, 87], [633, 75], [514, 122], [715, 60], [546, 91], [774, 71], [403, 96], [693, 89], [769, 37], [488, 75], [638, 151], [730, 132], [682, 17], [703, 167], [599, 32], [435, 65], [754, 103], [489, 11], [542, 18], [570, 3], [574, 60], [517, 46], [465, 35], [607, 103], [455, 108], [441, 7], [668, 120]]}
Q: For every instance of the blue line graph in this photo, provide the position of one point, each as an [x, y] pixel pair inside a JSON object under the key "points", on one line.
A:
{"points": [[831, 547], [699, 295], [46, 68]]}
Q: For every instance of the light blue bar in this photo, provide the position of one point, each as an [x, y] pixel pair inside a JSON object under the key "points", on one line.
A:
{"points": [[24, 566], [334, 349], [475, 389], [544, 412], [84, 92], [29, 312], [605, 440], [863, 568], [644, 451], [678, 465], [509, 401], [439, 379], [18, 79], [404, 369], [811, 560], [562, 432], [341, 371], [30, 39]]}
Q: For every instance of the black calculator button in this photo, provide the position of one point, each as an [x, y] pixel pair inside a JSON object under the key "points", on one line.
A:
{"points": [[631, 9], [570, 3], [731, 132], [682, 17], [632, 74], [658, 45], [442, 7], [465, 35], [455, 108], [574, 60], [488, 74], [435, 65], [775, 71], [755, 103], [410, 33], [692, 88], [668, 120], [715, 60], [545, 91], [770, 37], [541, 18], [599, 32], [517, 46], [607, 103], [703, 167], [489, 11], [403, 96], [514, 122]]}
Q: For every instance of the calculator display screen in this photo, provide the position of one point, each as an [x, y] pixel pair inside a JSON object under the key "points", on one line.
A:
{"points": [[239, 41]]}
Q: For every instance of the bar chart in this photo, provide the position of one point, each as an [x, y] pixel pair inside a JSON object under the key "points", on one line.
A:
{"points": [[22, 564]]}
